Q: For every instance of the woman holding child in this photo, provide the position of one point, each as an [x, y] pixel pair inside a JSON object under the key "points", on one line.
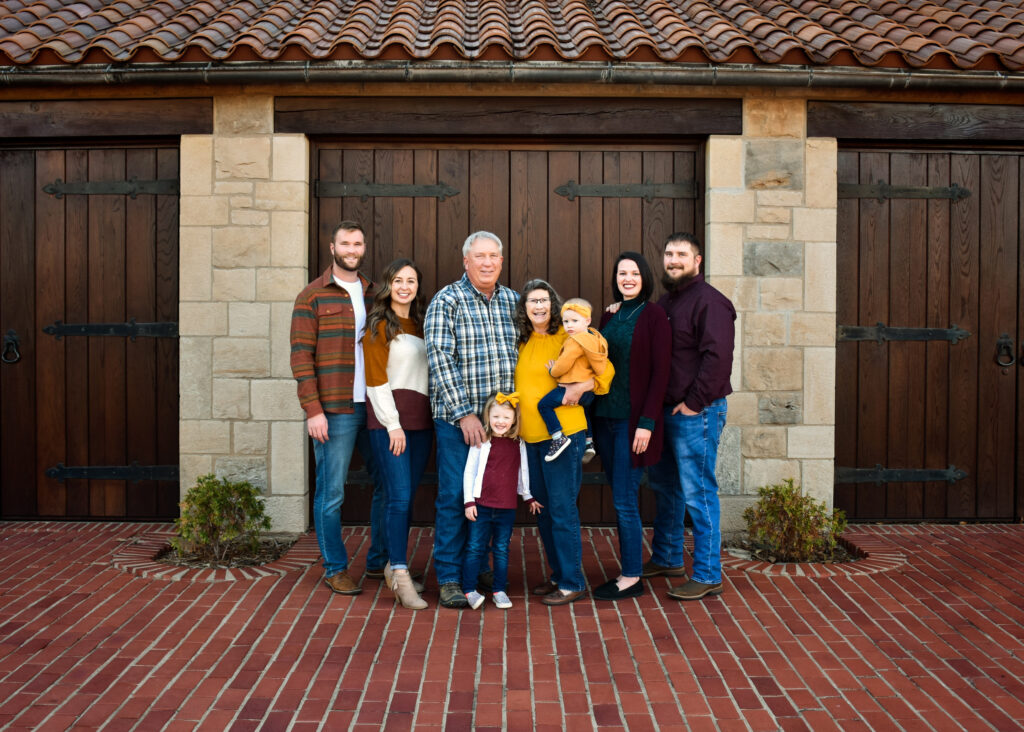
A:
{"points": [[628, 425], [554, 483], [398, 410]]}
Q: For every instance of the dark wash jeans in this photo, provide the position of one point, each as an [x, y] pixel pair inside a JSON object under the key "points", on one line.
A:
{"points": [[491, 530], [556, 486], [400, 476], [614, 443], [552, 400]]}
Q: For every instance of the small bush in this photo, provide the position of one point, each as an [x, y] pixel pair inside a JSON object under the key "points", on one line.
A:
{"points": [[793, 527], [219, 517]]}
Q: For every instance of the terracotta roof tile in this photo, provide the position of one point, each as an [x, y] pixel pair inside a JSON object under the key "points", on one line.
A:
{"points": [[914, 34]]}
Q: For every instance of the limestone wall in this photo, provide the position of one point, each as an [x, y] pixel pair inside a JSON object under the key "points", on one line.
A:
{"points": [[244, 232], [771, 230]]}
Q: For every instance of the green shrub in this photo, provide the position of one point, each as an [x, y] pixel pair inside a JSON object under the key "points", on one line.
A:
{"points": [[219, 517], [793, 527]]}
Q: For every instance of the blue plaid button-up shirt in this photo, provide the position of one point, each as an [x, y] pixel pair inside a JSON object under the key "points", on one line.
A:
{"points": [[471, 348]]}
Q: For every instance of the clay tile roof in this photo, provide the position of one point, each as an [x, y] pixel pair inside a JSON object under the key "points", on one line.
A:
{"points": [[965, 34]]}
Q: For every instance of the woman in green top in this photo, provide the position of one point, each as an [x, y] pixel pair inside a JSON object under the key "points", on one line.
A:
{"points": [[628, 429]]}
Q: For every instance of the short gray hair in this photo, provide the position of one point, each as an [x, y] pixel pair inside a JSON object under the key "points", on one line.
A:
{"points": [[479, 235]]}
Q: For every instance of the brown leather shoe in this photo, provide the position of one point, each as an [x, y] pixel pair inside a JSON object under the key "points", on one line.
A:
{"points": [[654, 570], [545, 589], [560, 598], [342, 583]]}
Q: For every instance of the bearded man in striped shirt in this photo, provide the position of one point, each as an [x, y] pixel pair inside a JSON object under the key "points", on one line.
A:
{"points": [[327, 361]]}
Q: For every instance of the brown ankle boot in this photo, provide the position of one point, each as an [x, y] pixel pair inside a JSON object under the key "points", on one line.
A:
{"points": [[401, 585]]}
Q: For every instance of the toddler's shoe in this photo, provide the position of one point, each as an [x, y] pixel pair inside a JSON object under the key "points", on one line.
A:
{"points": [[589, 453], [502, 601], [475, 599], [558, 446]]}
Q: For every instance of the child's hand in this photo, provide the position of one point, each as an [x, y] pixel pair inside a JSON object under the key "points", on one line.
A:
{"points": [[614, 307], [550, 365], [535, 507], [471, 513]]}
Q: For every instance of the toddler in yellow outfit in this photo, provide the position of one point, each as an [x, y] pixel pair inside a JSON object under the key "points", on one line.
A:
{"points": [[584, 356]]}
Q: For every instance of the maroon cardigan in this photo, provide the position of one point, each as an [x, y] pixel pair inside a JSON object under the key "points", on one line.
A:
{"points": [[649, 355]]}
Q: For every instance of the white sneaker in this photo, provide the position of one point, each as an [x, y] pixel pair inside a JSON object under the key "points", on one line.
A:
{"points": [[502, 601], [475, 599]]}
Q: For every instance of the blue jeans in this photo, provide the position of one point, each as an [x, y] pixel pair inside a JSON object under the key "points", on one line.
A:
{"points": [[614, 443], [449, 518], [400, 476], [556, 485], [553, 399], [492, 524], [684, 482], [344, 432]]}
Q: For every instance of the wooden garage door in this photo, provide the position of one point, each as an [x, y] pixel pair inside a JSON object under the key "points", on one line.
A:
{"points": [[564, 214], [929, 428], [78, 409]]}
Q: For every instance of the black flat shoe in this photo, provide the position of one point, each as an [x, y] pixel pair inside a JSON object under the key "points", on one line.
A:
{"points": [[610, 591]]}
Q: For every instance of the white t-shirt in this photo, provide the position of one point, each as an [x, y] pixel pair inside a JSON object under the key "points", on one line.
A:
{"points": [[355, 292]]}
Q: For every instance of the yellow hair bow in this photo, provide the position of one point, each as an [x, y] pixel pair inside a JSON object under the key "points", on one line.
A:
{"points": [[511, 399]]}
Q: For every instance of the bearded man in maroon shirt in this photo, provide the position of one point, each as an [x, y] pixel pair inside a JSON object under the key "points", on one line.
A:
{"points": [[703, 323]]}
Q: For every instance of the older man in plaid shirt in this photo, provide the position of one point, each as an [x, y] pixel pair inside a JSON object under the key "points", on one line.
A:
{"points": [[471, 347]]}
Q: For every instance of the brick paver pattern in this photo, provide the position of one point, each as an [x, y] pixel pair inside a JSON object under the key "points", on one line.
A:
{"points": [[933, 643]]}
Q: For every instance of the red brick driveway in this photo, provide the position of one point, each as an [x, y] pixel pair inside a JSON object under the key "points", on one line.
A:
{"points": [[927, 633]]}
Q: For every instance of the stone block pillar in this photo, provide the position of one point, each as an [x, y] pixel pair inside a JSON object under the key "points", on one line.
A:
{"points": [[770, 241], [244, 232]]}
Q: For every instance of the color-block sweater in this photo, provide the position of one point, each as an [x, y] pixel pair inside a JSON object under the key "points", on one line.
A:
{"points": [[397, 379]]}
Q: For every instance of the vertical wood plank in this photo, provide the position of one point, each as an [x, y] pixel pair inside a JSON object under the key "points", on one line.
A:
{"points": [[489, 200], [847, 313], [357, 165], [963, 310], [140, 389], [329, 211], [873, 358], [107, 304], [937, 414], [452, 216], [77, 361], [51, 435], [529, 191], [998, 302], [17, 312], [425, 221], [166, 245], [593, 267], [657, 218], [907, 293], [563, 251]]}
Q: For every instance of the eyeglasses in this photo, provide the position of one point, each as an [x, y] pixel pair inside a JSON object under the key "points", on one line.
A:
{"points": [[538, 300]]}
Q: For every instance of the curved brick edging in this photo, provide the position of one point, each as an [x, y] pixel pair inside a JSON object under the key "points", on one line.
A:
{"points": [[138, 556], [876, 556]]}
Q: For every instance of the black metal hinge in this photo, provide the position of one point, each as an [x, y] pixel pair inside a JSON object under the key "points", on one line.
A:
{"points": [[365, 189], [131, 329], [880, 475], [131, 187], [132, 473], [881, 333], [647, 191], [884, 191]]}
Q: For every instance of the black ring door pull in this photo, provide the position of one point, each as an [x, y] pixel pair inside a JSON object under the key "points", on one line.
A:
{"points": [[10, 353], [1004, 351]]}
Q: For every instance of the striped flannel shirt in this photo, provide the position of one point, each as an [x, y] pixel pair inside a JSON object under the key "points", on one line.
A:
{"points": [[471, 348], [324, 345]]}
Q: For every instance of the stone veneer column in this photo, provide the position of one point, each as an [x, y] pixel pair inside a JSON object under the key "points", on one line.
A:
{"points": [[243, 259], [771, 232]]}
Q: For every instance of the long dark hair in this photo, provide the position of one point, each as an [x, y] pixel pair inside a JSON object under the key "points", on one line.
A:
{"points": [[523, 324], [381, 310], [646, 277]]}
